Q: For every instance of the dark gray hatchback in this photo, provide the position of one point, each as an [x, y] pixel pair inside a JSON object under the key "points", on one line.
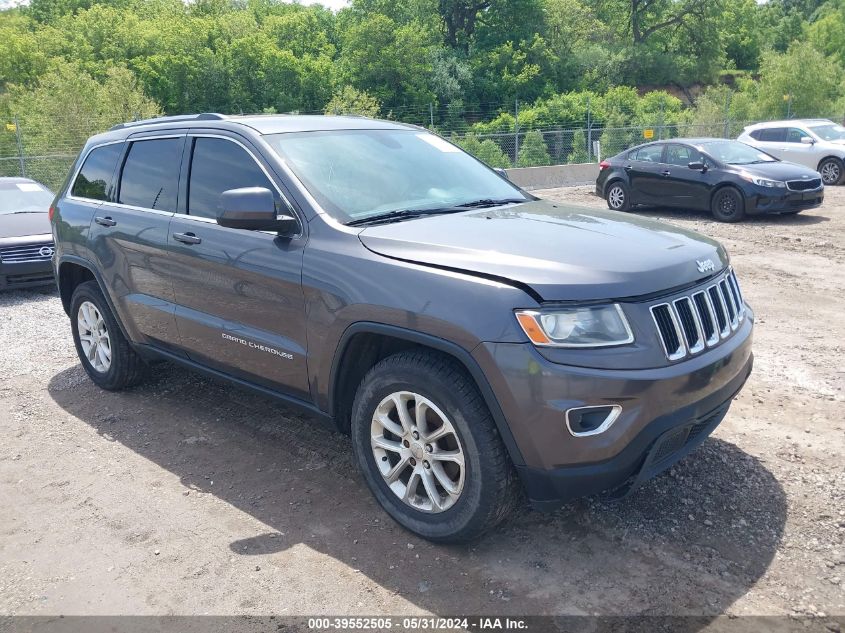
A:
{"points": [[476, 342]]}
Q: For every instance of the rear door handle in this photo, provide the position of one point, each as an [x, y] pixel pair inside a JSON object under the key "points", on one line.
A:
{"points": [[187, 238], [627, 168], [106, 221], [666, 172]]}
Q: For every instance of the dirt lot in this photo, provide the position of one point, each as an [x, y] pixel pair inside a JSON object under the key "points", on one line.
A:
{"points": [[186, 497]]}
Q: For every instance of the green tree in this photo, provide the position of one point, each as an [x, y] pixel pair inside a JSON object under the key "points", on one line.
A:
{"points": [[533, 152], [801, 81], [351, 101], [486, 151], [389, 61], [579, 148]]}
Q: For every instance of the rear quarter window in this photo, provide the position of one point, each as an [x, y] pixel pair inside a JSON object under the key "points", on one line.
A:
{"points": [[94, 180]]}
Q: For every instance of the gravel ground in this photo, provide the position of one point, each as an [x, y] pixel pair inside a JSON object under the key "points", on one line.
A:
{"points": [[185, 496]]}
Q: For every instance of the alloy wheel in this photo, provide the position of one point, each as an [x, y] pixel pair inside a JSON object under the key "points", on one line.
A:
{"points": [[830, 173], [94, 336], [727, 204], [616, 197], [417, 452]]}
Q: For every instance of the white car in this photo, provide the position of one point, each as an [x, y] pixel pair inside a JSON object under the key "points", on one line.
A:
{"points": [[816, 143]]}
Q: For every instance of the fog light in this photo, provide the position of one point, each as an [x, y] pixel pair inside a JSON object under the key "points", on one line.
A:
{"points": [[586, 421]]}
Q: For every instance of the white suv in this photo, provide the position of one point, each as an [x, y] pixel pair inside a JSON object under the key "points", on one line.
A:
{"points": [[816, 143]]}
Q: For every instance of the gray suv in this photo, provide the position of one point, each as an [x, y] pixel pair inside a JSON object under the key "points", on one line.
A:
{"points": [[477, 343]]}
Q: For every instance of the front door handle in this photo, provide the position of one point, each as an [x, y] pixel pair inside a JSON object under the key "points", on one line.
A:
{"points": [[187, 238], [106, 221], [666, 172]]}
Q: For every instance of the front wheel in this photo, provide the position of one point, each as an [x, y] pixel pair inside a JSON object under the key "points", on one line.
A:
{"points": [[728, 205], [617, 197], [831, 171], [428, 448]]}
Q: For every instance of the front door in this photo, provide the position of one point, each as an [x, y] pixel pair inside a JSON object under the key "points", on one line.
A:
{"points": [[797, 152], [240, 307], [684, 187]]}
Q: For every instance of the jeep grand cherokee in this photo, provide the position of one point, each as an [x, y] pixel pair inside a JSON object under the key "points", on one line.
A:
{"points": [[476, 342]]}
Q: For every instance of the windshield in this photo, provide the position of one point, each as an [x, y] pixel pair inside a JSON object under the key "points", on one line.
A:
{"points": [[736, 153], [23, 196], [829, 131], [356, 174]]}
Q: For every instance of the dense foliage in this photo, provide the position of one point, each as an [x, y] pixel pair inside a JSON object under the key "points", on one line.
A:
{"points": [[460, 65]]}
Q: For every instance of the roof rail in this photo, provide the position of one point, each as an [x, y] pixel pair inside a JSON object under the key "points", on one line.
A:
{"points": [[205, 116]]}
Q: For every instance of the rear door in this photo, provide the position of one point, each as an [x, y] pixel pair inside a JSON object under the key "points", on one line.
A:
{"points": [[644, 167], [240, 304], [129, 237], [772, 141]]}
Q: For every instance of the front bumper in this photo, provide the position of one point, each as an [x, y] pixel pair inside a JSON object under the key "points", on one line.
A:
{"points": [[775, 201], [666, 412], [26, 275]]}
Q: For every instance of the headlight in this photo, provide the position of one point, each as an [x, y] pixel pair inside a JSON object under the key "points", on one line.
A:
{"points": [[591, 326], [764, 182]]}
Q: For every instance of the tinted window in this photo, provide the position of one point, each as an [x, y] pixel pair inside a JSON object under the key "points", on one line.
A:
{"points": [[649, 153], [773, 135], [681, 155], [794, 135], [219, 165], [94, 179], [151, 174]]}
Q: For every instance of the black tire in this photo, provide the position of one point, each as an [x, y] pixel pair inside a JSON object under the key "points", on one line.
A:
{"points": [[490, 487], [126, 368], [832, 171], [617, 197], [728, 205]]}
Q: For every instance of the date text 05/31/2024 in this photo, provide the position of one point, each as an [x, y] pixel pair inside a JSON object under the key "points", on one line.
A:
{"points": [[417, 624]]}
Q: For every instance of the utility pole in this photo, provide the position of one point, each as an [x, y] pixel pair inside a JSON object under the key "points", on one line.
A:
{"points": [[20, 147], [516, 132], [589, 132], [431, 114], [728, 115]]}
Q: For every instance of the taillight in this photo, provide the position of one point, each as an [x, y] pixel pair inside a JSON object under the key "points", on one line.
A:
{"points": [[52, 211], [604, 165]]}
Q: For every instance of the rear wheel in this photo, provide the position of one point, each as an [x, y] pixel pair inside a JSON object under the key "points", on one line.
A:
{"points": [[832, 171], [102, 349], [428, 449], [728, 205], [617, 196]]}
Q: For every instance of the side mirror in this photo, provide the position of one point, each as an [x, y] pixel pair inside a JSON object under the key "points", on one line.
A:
{"points": [[808, 140], [254, 209], [501, 172], [698, 166]]}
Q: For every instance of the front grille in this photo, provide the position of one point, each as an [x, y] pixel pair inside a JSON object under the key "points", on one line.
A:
{"points": [[29, 253], [690, 324], [804, 185]]}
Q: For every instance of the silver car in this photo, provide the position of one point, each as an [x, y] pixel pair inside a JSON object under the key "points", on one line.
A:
{"points": [[816, 143]]}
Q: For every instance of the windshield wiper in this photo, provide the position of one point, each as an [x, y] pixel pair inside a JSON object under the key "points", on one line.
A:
{"points": [[406, 214], [488, 202], [400, 214]]}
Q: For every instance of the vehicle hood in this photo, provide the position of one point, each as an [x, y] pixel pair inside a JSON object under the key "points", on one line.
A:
{"points": [[21, 224], [778, 171], [561, 252]]}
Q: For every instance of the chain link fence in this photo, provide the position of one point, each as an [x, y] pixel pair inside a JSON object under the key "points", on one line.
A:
{"points": [[46, 153]]}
